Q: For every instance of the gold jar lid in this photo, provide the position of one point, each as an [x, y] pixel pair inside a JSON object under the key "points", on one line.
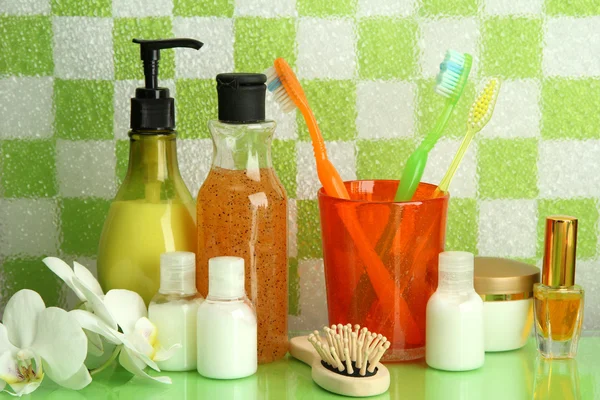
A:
{"points": [[500, 277]]}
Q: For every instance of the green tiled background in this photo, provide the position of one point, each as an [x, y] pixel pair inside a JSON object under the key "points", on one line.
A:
{"points": [[368, 68]]}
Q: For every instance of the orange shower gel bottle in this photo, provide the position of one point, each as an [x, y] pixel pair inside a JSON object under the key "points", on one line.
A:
{"points": [[242, 207]]}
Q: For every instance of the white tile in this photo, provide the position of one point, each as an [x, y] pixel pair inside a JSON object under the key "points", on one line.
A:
{"points": [[437, 36], [83, 48], [266, 8], [30, 96], [214, 57], [195, 159], [511, 7], [464, 182], [123, 92], [292, 228], [404, 8], [326, 49], [385, 109], [25, 7], [517, 112], [341, 154], [508, 228], [86, 168], [313, 299], [28, 227], [587, 276], [568, 168], [572, 47], [142, 8], [287, 127]]}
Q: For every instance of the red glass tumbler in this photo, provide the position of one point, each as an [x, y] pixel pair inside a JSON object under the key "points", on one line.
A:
{"points": [[381, 260]]}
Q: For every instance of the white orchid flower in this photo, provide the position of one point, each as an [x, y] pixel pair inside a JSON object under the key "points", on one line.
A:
{"points": [[137, 347], [35, 340], [89, 292]]}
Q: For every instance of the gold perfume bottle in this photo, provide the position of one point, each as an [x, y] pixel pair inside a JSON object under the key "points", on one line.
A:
{"points": [[558, 302]]}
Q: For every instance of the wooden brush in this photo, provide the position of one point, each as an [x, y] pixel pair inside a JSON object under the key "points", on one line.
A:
{"points": [[345, 360]]}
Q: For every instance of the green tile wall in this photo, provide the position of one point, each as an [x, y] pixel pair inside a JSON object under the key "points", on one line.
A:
{"points": [[65, 67]]}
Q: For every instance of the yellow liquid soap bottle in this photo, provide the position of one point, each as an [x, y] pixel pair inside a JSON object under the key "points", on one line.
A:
{"points": [[558, 302], [153, 211]]}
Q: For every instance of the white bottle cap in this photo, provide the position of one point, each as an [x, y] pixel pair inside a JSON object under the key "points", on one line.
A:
{"points": [[178, 273], [456, 269], [226, 277], [456, 261]]}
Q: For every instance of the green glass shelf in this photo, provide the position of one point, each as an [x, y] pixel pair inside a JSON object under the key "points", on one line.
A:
{"points": [[506, 376]]}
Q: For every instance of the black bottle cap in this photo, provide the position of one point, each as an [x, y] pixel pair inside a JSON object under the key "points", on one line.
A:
{"points": [[241, 97], [152, 108]]}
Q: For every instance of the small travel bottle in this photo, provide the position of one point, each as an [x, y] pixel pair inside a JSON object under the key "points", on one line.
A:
{"points": [[558, 302], [226, 323], [454, 333], [174, 309]]}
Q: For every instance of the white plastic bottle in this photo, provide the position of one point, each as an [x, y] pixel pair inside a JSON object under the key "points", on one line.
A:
{"points": [[226, 323], [455, 337], [174, 308]]}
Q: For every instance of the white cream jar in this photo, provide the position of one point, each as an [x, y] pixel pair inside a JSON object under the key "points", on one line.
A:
{"points": [[506, 287]]}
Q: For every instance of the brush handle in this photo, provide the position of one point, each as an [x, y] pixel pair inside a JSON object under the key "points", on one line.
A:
{"points": [[415, 166], [301, 349], [445, 183]]}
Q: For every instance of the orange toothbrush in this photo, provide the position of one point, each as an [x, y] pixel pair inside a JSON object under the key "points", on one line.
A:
{"points": [[282, 81]]}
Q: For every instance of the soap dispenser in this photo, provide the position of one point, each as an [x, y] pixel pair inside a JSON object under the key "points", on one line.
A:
{"points": [[153, 212]]}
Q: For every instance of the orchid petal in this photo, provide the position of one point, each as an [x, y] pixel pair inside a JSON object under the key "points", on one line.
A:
{"points": [[87, 278], [93, 323], [126, 307], [64, 272], [23, 388], [146, 330], [5, 344], [9, 370], [96, 304], [163, 354], [95, 346], [78, 381], [126, 359], [60, 342], [21, 315], [129, 342]]}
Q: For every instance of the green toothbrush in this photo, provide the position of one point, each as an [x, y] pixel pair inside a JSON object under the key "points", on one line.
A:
{"points": [[451, 82]]}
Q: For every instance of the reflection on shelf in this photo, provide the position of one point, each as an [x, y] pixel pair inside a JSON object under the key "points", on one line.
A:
{"points": [[556, 379], [506, 375]]}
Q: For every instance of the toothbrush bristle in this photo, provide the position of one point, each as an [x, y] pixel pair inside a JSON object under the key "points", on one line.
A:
{"points": [[482, 109], [453, 74], [353, 355], [275, 86]]}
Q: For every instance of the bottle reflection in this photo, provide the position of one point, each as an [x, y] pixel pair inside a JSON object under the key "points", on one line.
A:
{"points": [[556, 379], [507, 375], [234, 389]]}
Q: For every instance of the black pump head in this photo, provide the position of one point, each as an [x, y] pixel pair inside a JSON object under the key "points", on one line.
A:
{"points": [[152, 108]]}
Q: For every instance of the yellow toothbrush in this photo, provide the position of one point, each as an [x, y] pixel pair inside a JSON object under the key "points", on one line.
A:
{"points": [[479, 115]]}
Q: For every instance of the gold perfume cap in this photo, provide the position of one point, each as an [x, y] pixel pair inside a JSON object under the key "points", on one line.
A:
{"points": [[559, 251]]}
